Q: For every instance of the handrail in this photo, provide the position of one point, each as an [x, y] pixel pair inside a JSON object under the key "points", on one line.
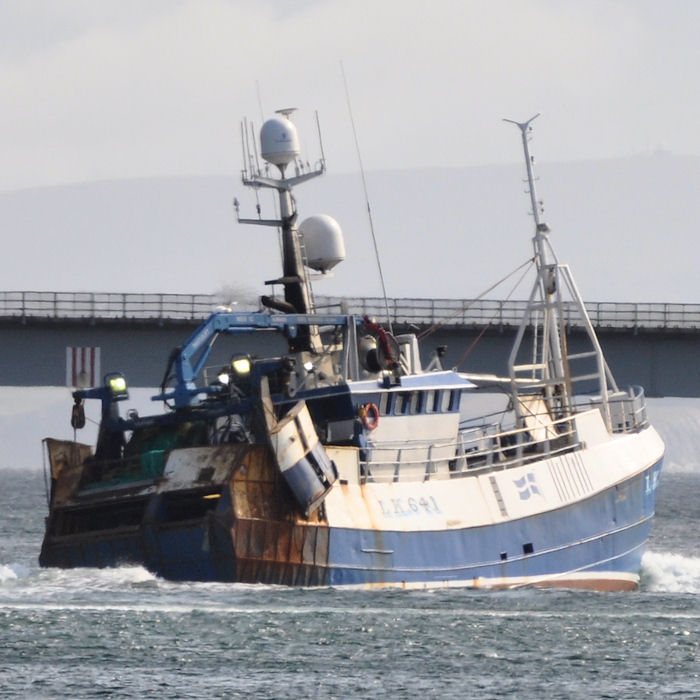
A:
{"points": [[489, 447], [452, 313], [476, 451]]}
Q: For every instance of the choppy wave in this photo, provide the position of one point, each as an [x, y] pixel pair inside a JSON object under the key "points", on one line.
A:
{"points": [[662, 572], [12, 572], [665, 572], [100, 579]]}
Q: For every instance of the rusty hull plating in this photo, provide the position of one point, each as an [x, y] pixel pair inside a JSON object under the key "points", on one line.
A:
{"points": [[235, 522]]}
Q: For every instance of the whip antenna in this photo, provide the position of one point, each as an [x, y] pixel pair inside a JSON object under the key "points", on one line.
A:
{"points": [[260, 104], [364, 187]]}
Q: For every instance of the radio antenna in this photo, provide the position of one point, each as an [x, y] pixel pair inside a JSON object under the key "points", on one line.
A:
{"points": [[525, 130], [260, 104], [369, 209], [320, 140]]}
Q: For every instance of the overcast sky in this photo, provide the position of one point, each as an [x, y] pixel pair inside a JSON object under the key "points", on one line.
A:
{"points": [[133, 88]]}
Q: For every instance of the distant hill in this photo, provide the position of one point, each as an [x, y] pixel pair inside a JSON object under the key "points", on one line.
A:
{"points": [[628, 227]]}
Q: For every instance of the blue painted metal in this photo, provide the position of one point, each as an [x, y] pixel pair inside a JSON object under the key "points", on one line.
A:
{"points": [[311, 477], [604, 533], [191, 358]]}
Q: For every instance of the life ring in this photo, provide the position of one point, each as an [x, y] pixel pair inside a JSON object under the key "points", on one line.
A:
{"points": [[370, 416]]}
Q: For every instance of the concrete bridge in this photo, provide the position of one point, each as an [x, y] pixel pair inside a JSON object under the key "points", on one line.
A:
{"points": [[48, 338]]}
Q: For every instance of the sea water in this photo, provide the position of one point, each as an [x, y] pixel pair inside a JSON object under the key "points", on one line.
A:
{"points": [[122, 632]]}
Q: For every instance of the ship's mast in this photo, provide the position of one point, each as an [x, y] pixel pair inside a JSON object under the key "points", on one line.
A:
{"points": [[550, 363], [552, 367], [280, 147]]}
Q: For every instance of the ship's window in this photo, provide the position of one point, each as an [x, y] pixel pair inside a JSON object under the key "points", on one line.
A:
{"points": [[454, 400], [430, 401], [445, 401], [528, 548], [436, 402], [403, 403], [504, 556], [416, 401], [189, 506], [385, 401], [102, 517]]}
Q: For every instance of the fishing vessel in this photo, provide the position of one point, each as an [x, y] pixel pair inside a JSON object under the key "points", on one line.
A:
{"points": [[327, 455]]}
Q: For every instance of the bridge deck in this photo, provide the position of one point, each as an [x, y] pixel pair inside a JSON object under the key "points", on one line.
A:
{"points": [[446, 312], [655, 345]]}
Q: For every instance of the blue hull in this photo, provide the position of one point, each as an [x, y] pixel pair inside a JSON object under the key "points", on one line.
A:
{"points": [[594, 543], [604, 534]]}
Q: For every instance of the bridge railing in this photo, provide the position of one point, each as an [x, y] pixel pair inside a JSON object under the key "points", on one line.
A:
{"points": [[421, 312], [470, 312], [90, 305]]}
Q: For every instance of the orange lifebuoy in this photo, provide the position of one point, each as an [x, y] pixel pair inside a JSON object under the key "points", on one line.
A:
{"points": [[370, 416]]}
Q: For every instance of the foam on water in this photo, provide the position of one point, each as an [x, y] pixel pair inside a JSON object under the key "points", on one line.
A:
{"points": [[100, 579], [662, 572], [665, 572], [12, 572]]}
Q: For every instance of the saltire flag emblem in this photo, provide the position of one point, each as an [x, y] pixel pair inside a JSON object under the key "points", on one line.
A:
{"points": [[527, 486]]}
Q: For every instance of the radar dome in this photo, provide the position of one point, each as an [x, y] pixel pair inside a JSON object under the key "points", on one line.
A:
{"points": [[323, 240], [279, 143]]}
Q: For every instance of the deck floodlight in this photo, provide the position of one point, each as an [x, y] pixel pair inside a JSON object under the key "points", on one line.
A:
{"points": [[116, 383], [241, 365]]}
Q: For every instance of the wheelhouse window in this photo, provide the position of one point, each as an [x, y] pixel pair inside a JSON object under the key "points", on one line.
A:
{"points": [[417, 402], [404, 403], [385, 403]]}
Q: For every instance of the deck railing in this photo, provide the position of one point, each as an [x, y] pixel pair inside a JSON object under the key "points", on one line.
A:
{"points": [[420, 312], [478, 450]]}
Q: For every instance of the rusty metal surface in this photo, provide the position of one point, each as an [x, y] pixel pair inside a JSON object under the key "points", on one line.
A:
{"points": [[280, 552], [257, 535], [273, 543], [66, 462], [201, 465]]}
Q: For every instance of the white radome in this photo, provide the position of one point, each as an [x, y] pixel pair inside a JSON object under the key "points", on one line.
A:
{"points": [[279, 143], [323, 240]]}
